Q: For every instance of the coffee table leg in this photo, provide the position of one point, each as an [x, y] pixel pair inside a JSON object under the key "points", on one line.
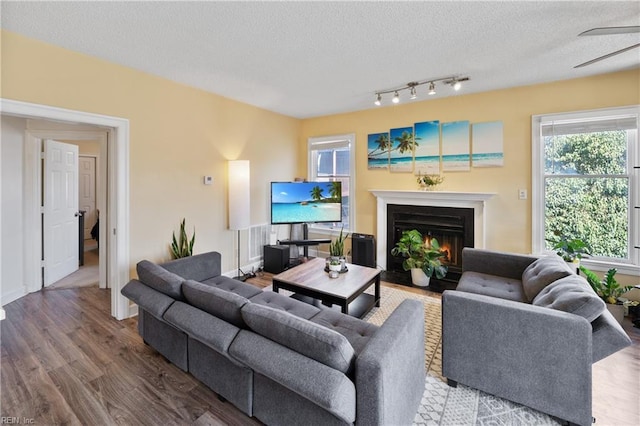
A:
{"points": [[274, 286], [377, 290], [345, 308]]}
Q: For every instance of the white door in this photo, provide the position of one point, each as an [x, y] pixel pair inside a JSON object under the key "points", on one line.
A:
{"points": [[60, 221], [87, 192]]}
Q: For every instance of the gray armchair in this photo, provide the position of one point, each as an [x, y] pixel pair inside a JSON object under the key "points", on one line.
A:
{"points": [[495, 340]]}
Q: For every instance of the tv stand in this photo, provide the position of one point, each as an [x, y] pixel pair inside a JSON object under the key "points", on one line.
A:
{"points": [[305, 242]]}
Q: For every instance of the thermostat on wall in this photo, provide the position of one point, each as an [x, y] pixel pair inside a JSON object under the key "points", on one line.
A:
{"points": [[208, 180]]}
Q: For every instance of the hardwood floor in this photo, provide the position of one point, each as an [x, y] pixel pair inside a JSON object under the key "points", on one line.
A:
{"points": [[65, 360]]}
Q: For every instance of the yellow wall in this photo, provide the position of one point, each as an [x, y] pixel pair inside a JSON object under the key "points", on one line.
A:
{"points": [[178, 135], [508, 218]]}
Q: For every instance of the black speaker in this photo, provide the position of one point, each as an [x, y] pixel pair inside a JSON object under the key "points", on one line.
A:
{"points": [[276, 258], [363, 250]]}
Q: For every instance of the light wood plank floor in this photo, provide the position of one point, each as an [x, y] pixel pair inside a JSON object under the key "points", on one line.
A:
{"points": [[65, 360]]}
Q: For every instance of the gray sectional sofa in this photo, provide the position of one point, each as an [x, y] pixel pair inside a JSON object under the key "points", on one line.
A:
{"points": [[278, 359], [527, 329]]}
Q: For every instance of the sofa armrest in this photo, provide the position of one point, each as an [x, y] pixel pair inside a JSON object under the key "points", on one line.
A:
{"points": [[535, 356], [498, 263], [390, 370], [150, 300]]}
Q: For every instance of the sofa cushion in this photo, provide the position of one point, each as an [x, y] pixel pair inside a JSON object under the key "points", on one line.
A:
{"points": [[491, 285], [571, 294], [158, 278], [309, 339], [357, 331], [220, 303], [541, 273], [234, 286], [284, 303], [198, 267]]}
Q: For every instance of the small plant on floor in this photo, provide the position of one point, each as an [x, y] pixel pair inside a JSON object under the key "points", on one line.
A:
{"points": [[420, 255], [608, 288], [182, 247]]}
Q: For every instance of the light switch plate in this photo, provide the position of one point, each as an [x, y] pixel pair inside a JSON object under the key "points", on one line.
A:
{"points": [[208, 180]]}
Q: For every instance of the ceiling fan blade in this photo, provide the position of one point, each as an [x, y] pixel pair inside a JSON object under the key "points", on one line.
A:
{"points": [[608, 55], [611, 30]]}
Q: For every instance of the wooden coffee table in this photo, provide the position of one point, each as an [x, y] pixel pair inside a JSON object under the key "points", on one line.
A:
{"points": [[347, 291]]}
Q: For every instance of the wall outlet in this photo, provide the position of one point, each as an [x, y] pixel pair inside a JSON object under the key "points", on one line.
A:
{"points": [[522, 194]]}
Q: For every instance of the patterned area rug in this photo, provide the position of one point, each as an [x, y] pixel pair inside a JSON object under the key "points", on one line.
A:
{"points": [[441, 404]]}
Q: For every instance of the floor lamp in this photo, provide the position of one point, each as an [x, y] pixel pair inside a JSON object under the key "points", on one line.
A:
{"points": [[239, 197]]}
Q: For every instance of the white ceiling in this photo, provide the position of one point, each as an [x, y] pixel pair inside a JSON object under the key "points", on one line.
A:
{"points": [[306, 59]]}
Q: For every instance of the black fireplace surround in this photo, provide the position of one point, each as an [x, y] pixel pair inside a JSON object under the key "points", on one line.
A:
{"points": [[453, 227]]}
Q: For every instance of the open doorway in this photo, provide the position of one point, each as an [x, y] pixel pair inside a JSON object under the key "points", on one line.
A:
{"points": [[90, 190], [86, 140], [114, 229]]}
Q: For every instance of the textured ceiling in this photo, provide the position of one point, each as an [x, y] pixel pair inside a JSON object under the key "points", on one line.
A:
{"points": [[306, 59]]}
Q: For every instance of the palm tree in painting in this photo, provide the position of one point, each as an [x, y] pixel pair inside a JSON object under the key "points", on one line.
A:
{"points": [[406, 142], [383, 145], [335, 191], [316, 193]]}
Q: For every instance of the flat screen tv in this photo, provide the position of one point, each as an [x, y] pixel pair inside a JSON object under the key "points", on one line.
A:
{"points": [[306, 202]]}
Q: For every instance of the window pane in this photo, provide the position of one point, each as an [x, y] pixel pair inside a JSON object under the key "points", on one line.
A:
{"points": [[595, 210], [342, 163], [586, 153], [325, 163]]}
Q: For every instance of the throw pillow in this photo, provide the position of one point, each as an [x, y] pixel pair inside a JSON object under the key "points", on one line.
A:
{"points": [[571, 294], [312, 340], [220, 303], [158, 278], [541, 273]]}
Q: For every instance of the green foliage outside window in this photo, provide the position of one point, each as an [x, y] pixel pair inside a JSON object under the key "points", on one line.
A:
{"points": [[587, 192]]}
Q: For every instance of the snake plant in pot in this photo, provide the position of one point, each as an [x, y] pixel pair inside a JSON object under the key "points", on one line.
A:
{"points": [[420, 257]]}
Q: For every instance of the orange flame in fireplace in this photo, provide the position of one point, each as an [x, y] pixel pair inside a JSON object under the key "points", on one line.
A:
{"points": [[445, 249]]}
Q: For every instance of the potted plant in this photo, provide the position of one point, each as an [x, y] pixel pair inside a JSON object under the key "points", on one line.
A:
{"points": [[571, 250], [182, 247], [336, 248], [420, 257], [608, 289], [334, 265], [427, 182]]}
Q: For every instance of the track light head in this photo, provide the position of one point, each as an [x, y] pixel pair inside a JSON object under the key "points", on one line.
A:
{"points": [[396, 97], [456, 85], [432, 88], [413, 92], [378, 99]]}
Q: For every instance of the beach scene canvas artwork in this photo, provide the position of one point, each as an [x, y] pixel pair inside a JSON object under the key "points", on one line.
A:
{"points": [[456, 155], [487, 144], [378, 146], [427, 147], [401, 153]]}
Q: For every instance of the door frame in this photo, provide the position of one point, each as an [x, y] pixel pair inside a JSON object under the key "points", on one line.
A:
{"points": [[116, 228]]}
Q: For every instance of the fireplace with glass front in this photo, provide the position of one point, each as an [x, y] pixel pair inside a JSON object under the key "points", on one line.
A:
{"points": [[453, 227]]}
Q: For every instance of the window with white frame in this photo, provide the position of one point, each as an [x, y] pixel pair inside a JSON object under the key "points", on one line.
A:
{"points": [[333, 159], [586, 184]]}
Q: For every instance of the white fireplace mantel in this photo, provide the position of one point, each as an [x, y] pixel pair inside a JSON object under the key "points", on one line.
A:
{"points": [[474, 200]]}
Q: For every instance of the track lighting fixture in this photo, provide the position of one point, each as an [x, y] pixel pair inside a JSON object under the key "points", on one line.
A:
{"points": [[453, 81], [432, 88]]}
